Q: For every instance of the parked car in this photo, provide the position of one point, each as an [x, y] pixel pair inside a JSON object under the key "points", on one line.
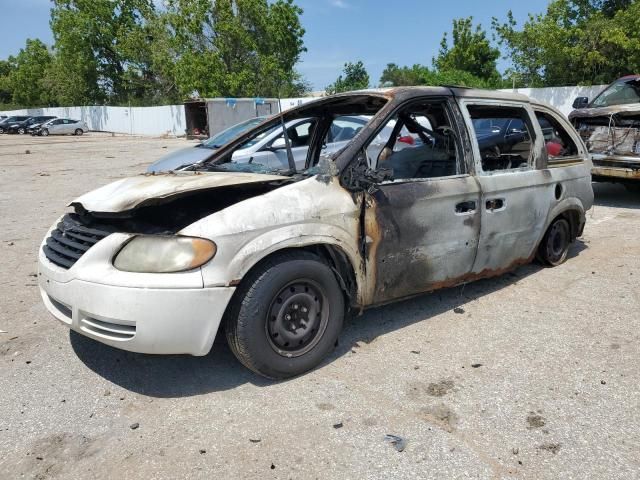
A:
{"points": [[62, 126], [26, 125], [276, 256], [10, 121], [2, 117], [200, 152], [610, 126], [269, 148]]}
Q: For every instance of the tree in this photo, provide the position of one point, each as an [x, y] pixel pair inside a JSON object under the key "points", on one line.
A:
{"points": [[232, 47], [355, 78], [103, 49], [25, 76], [395, 76], [6, 90], [573, 42], [470, 51]]}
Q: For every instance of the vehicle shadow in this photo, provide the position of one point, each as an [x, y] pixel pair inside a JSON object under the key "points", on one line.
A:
{"points": [[169, 376], [615, 195]]}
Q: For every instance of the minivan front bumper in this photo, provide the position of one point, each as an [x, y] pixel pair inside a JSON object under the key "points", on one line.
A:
{"points": [[143, 320]]}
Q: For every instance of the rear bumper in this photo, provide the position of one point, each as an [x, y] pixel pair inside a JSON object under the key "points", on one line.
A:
{"points": [[144, 320], [616, 169]]}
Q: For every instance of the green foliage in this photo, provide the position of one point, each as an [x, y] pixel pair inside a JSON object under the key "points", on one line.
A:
{"points": [[395, 76], [232, 48], [574, 42], [470, 52], [103, 48], [355, 78], [25, 74]]}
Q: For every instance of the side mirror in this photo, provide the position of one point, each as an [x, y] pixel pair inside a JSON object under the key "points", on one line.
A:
{"points": [[581, 102], [278, 144]]}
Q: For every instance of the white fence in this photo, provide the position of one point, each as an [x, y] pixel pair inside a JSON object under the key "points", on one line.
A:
{"points": [[170, 119], [560, 97], [165, 120]]}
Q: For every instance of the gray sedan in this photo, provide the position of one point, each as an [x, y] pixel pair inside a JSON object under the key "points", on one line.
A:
{"points": [[63, 126]]}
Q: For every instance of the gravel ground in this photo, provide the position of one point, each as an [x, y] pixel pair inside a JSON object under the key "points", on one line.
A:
{"points": [[537, 378]]}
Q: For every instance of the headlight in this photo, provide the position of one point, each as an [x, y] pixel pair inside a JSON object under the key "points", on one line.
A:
{"points": [[160, 254]]}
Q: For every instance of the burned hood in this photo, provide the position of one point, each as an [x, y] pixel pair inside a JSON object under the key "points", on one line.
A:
{"points": [[144, 190], [592, 112]]}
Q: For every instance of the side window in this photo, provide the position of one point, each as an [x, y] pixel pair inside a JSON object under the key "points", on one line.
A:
{"points": [[558, 142], [416, 143], [504, 136]]}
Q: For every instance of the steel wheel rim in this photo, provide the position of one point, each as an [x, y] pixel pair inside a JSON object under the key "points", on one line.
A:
{"points": [[558, 241], [297, 318]]}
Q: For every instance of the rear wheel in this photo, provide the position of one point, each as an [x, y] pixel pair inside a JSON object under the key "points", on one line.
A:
{"points": [[78, 131], [45, 132], [286, 315], [21, 131], [554, 248]]}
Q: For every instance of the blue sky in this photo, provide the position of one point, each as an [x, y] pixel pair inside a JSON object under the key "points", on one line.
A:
{"points": [[374, 31]]}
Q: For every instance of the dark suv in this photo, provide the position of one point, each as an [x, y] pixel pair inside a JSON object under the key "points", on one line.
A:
{"points": [[28, 124], [9, 122]]}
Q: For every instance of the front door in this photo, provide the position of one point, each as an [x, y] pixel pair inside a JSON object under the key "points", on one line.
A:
{"points": [[422, 228], [516, 194]]}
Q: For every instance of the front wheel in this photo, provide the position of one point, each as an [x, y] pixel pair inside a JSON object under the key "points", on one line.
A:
{"points": [[554, 248], [78, 131], [45, 133], [286, 315], [21, 131]]}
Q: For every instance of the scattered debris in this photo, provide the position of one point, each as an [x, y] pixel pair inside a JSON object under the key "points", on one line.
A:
{"points": [[202, 451], [3, 331], [476, 365], [43, 174], [458, 310], [134, 426], [338, 425], [28, 152], [440, 389], [551, 447], [415, 352], [255, 440], [398, 443], [106, 393], [273, 467], [11, 244], [602, 382], [535, 421], [515, 451]]}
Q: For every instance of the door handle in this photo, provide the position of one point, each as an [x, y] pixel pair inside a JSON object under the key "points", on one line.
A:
{"points": [[495, 204], [466, 207]]}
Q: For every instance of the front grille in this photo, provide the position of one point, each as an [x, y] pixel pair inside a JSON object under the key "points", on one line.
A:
{"points": [[70, 240]]}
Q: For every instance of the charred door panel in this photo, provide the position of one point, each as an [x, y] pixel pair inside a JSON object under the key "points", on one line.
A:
{"points": [[515, 206], [420, 235]]}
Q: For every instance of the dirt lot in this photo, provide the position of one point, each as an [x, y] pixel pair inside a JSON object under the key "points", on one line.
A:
{"points": [[537, 378]]}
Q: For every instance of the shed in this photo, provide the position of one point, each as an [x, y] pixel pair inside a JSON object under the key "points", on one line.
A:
{"points": [[207, 116]]}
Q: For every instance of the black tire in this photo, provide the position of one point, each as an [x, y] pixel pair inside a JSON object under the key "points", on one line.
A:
{"points": [[633, 187], [78, 131], [45, 132], [21, 131], [554, 248], [286, 315]]}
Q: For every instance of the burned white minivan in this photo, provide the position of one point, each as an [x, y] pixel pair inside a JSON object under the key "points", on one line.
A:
{"points": [[442, 186]]}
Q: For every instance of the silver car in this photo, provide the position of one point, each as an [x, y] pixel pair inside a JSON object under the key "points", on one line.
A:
{"points": [[63, 126], [269, 148]]}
